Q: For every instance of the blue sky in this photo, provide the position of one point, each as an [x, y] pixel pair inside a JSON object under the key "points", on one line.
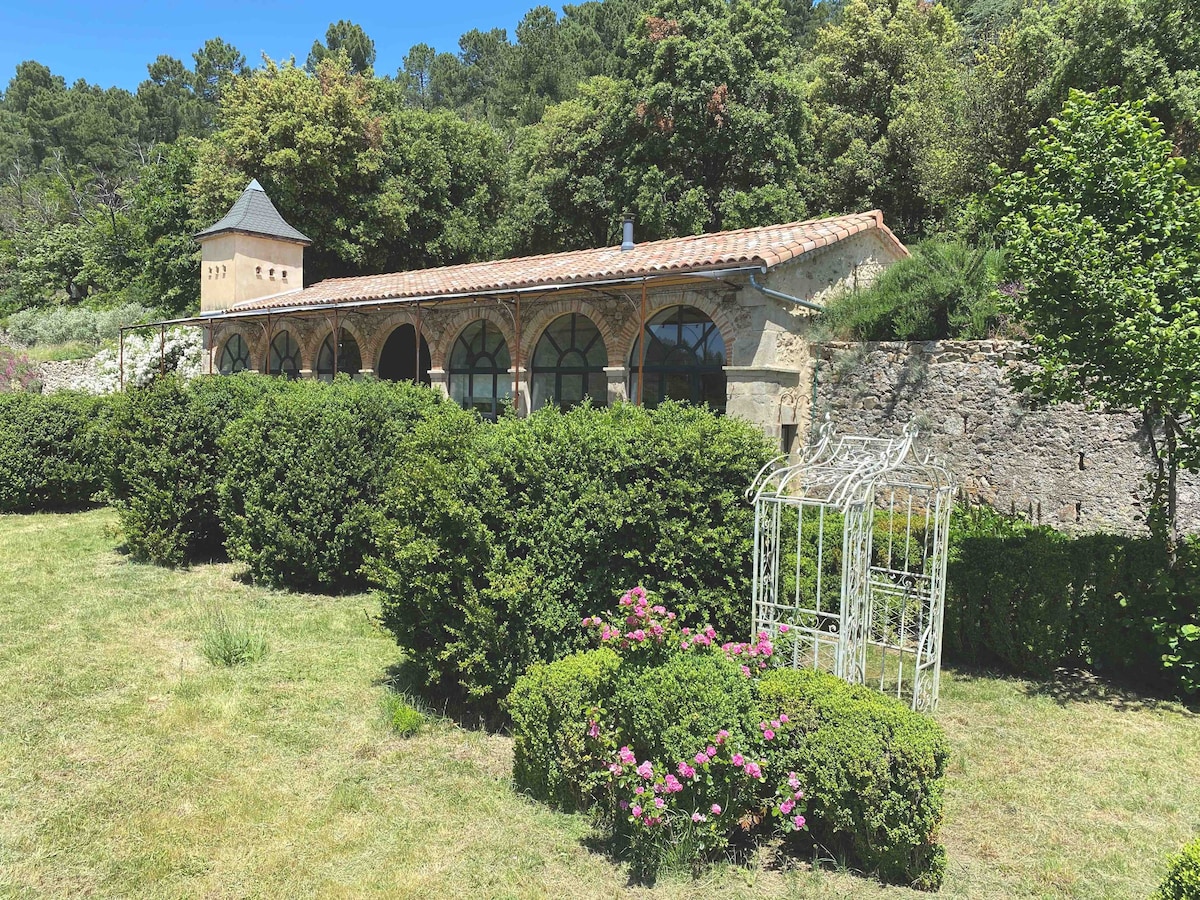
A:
{"points": [[111, 43]]}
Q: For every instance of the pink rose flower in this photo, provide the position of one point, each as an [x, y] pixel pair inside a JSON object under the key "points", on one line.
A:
{"points": [[753, 771], [784, 629], [769, 735], [783, 718], [637, 811], [716, 809], [697, 817], [594, 730], [798, 821], [738, 759], [627, 756], [646, 769], [658, 802], [701, 759], [787, 806]]}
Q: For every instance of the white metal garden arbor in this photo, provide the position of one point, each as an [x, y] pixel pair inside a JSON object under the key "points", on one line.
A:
{"points": [[850, 553]]}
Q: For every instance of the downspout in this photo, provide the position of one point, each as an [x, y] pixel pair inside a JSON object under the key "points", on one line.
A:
{"points": [[779, 295]]}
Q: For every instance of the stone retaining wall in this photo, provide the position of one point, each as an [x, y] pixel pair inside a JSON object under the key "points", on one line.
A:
{"points": [[1064, 465]]}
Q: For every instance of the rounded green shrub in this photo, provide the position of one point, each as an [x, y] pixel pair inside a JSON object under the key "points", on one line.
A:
{"points": [[551, 707], [166, 462], [494, 547], [302, 472], [671, 711], [1183, 875], [54, 450], [872, 768]]}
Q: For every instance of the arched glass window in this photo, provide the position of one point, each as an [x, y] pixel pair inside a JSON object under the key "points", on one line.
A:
{"points": [[235, 356], [285, 355], [479, 363], [568, 363], [349, 360], [685, 359]]}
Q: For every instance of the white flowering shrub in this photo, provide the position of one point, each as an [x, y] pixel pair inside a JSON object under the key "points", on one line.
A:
{"points": [[182, 354]]}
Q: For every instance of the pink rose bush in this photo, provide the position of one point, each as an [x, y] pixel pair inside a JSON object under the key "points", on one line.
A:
{"points": [[724, 789]]}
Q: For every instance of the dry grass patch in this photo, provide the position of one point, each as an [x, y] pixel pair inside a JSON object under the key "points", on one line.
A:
{"points": [[129, 765]]}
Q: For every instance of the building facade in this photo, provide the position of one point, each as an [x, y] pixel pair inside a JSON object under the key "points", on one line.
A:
{"points": [[725, 317]]}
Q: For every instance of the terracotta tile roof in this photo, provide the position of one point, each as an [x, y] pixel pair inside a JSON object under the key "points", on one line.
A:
{"points": [[767, 246]]}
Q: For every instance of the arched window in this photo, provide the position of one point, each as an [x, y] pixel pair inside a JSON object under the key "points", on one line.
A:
{"points": [[349, 360], [568, 363], [285, 355], [235, 356], [479, 363], [403, 358], [685, 359]]}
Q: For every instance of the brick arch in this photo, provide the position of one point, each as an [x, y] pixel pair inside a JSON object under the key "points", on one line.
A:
{"points": [[453, 326], [304, 335], [382, 328], [532, 330], [251, 334], [322, 328], [714, 309]]}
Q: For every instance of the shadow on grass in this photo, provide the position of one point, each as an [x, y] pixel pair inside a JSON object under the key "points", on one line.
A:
{"points": [[1080, 686], [405, 678], [1067, 686]]}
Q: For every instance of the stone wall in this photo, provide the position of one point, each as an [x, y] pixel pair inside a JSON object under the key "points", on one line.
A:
{"points": [[1062, 465], [69, 375]]}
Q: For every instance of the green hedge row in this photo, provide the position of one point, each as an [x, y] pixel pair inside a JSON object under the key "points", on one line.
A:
{"points": [[1029, 599], [54, 450], [496, 540]]}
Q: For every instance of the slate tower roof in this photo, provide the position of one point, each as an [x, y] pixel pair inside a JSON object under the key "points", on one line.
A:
{"points": [[254, 213]]}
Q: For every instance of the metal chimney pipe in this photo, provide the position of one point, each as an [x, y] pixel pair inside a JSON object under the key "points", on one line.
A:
{"points": [[627, 232]]}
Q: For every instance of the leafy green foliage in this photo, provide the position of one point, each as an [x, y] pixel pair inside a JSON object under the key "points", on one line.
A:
{"points": [[303, 469], [1183, 875], [401, 716], [672, 711], [1030, 599], [872, 768], [551, 706], [946, 289], [166, 462], [54, 450], [495, 541], [1103, 231]]}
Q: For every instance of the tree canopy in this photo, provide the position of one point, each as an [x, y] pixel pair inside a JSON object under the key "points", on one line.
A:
{"points": [[692, 116]]}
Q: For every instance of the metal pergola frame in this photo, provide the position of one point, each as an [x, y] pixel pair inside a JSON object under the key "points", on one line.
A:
{"points": [[816, 519]]}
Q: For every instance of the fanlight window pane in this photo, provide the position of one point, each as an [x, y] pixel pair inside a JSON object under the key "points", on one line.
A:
{"points": [[235, 356], [568, 363], [349, 360], [479, 364], [685, 359], [285, 355]]}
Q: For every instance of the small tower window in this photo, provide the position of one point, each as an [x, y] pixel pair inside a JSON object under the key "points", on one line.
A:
{"points": [[271, 273], [222, 271], [284, 275], [258, 271], [210, 271]]}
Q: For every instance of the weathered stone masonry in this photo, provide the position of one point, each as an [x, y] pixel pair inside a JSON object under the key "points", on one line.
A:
{"points": [[1064, 465]]}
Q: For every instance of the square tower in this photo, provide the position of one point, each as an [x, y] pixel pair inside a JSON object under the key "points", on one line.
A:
{"points": [[249, 254]]}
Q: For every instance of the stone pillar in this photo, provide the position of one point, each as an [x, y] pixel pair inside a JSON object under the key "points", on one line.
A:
{"points": [[523, 390], [439, 380], [366, 373], [618, 382]]}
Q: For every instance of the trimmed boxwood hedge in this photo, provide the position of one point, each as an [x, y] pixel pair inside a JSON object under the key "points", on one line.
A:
{"points": [[166, 462], [302, 472], [495, 540], [872, 768], [54, 450]]}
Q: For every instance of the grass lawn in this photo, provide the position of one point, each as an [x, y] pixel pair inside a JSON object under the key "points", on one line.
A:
{"points": [[131, 766]]}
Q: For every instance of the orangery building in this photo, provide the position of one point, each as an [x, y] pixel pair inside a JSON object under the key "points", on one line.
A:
{"points": [[721, 318]]}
